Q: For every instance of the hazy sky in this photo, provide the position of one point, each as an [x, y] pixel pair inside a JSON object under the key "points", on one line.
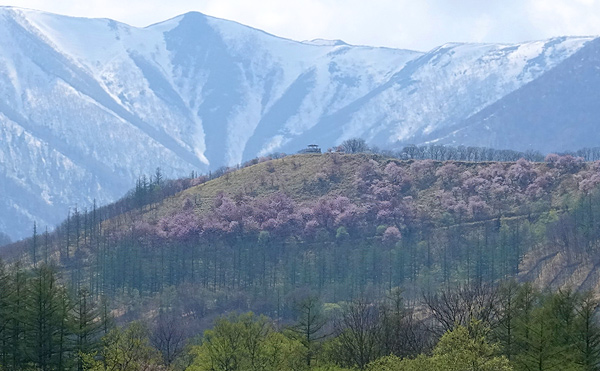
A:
{"points": [[410, 24]]}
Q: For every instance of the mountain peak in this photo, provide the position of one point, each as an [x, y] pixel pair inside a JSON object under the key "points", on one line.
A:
{"points": [[325, 42], [178, 18]]}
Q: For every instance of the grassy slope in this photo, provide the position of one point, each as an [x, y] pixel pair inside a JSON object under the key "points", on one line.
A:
{"points": [[292, 175]]}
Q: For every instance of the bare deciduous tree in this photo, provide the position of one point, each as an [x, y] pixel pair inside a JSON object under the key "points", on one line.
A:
{"points": [[354, 145], [169, 336], [458, 306], [358, 333]]}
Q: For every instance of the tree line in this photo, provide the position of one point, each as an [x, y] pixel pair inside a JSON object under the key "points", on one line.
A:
{"points": [[507, 326], [502, 327], [440, 152]]}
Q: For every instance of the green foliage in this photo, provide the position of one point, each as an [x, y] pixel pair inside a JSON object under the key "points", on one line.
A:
{"points": [[457, 350], [394, 363], [380, 230], [557, 331], [246, 343], [341, 234], [329, 368], [124, 350], [42, 326], [35, 322], [532, 330], [250, 249]]}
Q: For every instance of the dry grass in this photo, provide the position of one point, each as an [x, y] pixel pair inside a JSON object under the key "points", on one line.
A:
{"points": [[293, 175]]}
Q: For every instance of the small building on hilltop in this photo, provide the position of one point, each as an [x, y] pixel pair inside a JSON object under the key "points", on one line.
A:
{"points": [[311, 148]]}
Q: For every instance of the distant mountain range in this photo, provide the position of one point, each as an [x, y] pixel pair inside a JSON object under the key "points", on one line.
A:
{"points": [[87, 105]]}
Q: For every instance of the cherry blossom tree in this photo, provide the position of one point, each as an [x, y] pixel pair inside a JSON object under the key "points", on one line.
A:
{"points": [[449, 175]]}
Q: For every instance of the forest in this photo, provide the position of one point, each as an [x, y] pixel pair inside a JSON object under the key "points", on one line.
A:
{"points": [[349, 261], [405, 225], [501, 327]]}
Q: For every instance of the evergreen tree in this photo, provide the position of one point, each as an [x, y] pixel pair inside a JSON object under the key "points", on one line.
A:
{"points": [[508, 317], [34, 244], [46, 245], [586, 336], [16, 327], [106, 319], [88, 325], [64, 331], [6, 314], [43, 317], [158, 177], [541, 347], [310, 322]]}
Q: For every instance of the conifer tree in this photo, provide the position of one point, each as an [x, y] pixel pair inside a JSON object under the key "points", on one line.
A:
{"points": [[34, 244], [541, 348], [88, 326], [46, 245], [43, 318], [106, 319], [5, 312], [16, 347], [508, 317], [310, 323], [64, 331], [67, 238], [587, 334]]}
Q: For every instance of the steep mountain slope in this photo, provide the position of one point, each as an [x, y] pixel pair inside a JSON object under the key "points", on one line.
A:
{"points": [[87, 105], [443, 87], [558, 111]]}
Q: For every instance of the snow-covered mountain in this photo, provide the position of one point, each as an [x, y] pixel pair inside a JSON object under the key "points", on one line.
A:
{"points": [[87, 105]]}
